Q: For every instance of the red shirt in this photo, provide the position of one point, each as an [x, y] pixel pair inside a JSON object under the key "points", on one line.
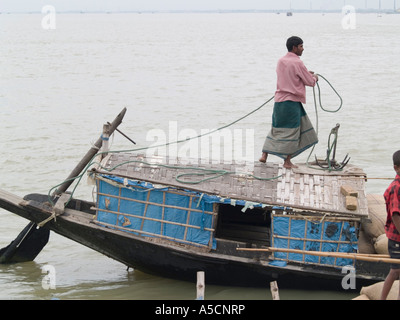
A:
{"points": [[392, 199]]}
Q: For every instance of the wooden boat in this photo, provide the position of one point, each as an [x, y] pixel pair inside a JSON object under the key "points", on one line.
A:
{"points": [[175, 217]]}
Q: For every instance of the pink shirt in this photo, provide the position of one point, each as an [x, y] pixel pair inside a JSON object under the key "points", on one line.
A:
{"points": [[293, 77]]}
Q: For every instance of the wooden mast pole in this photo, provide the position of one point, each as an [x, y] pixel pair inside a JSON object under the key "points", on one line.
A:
{"points": [[89, 155]]}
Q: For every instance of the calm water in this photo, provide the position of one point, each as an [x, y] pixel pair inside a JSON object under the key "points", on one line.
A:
{"points": [[200, 71]]}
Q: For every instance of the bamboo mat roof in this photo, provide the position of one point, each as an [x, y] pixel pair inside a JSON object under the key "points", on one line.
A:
{"points": [[303, 188]]}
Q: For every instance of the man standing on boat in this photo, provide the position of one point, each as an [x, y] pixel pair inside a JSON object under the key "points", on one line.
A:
{"points": [[292, 131]]}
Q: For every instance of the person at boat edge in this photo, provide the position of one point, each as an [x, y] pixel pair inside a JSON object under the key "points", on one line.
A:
{"points": [[392, 227], [292, 131]]}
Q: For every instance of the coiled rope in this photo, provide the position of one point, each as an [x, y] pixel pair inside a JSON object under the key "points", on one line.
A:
{"points": [[318, 102]]}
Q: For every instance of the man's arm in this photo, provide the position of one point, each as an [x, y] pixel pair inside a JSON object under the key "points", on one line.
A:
{"points": [[396, 220], [308, 78], [314, 75]]}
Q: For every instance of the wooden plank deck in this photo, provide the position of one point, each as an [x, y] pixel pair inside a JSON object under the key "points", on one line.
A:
{"points": [[303, 188]]}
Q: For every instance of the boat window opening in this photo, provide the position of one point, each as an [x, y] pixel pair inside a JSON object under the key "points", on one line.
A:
{"points": [[251, 226]]}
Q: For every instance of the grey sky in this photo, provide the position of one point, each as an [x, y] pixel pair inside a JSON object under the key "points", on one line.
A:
{"points": [[121, 5]]}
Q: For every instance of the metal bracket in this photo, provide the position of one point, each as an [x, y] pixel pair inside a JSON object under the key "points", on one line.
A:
{"points": [[330, 163]]}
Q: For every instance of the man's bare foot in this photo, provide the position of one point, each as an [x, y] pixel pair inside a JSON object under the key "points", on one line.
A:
{"points": [[288, 164], [264, 157]]}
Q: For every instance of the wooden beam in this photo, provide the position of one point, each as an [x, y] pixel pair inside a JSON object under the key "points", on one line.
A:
{"points": [[344, 255], [89, 155], [200, 285], [274, 290]]}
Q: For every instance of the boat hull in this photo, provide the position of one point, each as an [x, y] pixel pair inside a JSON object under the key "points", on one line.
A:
{"points": [[181, 262]]}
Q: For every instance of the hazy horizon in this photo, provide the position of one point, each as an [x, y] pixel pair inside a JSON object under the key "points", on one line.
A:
{"points": [[195, 5]]}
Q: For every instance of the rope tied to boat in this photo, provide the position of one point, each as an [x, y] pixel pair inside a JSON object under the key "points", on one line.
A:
{"points": [[53, 216]]}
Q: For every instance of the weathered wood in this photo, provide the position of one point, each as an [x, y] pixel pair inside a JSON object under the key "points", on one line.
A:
{"points": [[348, 191], [274, 290], [105, 139], [60, 204], [344, 255], [351, 203], [89, 155], [200, 285], [10, 202]]}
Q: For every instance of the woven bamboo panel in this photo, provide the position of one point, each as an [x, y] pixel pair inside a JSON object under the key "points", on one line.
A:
{"points": [[322, 189], [299, 188]]}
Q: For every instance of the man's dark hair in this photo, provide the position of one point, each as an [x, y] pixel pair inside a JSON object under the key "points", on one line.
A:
{"points": [[396, 158], [293, 42]]}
